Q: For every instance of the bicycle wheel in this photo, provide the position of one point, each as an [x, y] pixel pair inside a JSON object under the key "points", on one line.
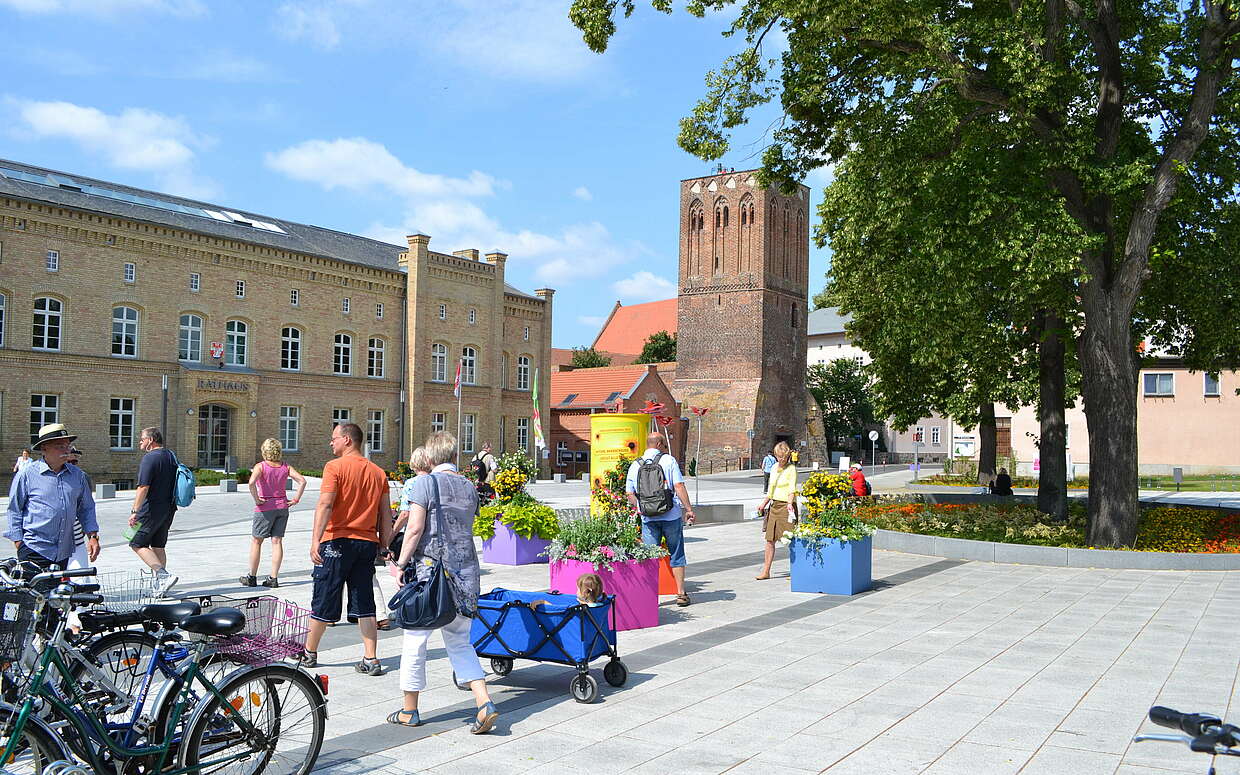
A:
{"points": [[35, 750], [287, 711], [123, 656]]}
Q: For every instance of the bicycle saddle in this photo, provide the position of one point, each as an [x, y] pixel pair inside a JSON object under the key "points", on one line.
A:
{"points": [[221, 621], [170, 614]]}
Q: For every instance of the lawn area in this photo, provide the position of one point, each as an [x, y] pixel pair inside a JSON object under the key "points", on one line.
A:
{"points": [[1164, 529], [1195, 483]]}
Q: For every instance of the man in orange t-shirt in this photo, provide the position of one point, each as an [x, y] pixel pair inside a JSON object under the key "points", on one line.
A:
{"points": [[351, 522]]}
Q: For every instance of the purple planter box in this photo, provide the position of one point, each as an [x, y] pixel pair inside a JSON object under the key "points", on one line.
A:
{"points": [[635, 585], [508, 548], [831, 567]]}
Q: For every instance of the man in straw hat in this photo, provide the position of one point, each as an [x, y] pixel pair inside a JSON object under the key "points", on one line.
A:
{"points": [[45, 501]]}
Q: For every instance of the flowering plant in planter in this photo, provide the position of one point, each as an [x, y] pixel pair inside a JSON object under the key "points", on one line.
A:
{"points": [[828, 512], [522, 513], [603, 540]]}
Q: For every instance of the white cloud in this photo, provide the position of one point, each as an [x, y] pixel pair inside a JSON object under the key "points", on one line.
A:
{"points": [[225, 66], [595, 321], [583, 193], [134, 139], [357, 163], [644, 286], [107, 7], [509, 39], [448, 209]]}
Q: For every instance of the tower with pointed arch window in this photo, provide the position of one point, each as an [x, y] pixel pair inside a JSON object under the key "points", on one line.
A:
{"points": [[742, 307]]}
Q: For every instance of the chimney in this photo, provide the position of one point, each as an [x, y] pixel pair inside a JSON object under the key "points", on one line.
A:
{"points": [[470, 253]]}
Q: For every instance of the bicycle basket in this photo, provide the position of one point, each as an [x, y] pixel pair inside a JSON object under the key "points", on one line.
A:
{"points": [[126, 590], [16, 623], [274, 629]]}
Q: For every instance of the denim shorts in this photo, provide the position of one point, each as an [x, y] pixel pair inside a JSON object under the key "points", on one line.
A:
{"points": [[671, 530], [347, 562]]}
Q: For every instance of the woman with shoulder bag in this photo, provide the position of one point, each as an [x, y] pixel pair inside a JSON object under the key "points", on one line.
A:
{"points": [[780, 506], [439, 533]]}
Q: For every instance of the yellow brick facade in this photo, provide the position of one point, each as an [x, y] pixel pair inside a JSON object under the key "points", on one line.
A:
{"points": [[90, 282]]}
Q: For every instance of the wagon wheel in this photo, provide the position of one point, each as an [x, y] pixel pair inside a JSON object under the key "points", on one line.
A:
{"points": [[583, 687], [501, 666], [615, 673]]}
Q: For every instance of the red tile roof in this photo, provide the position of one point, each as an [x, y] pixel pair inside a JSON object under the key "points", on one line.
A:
{"points": [[594, 386], [628, 328]]}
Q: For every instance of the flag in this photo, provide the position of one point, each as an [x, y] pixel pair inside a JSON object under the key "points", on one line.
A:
{"points": [[539, 441], [456, 390]]}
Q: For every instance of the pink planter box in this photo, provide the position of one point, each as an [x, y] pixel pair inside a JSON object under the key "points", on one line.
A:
{"points": [[508, 548], [635, 585]]}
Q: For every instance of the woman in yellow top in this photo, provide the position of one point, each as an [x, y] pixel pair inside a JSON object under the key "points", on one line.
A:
{"points": [[781, 498]]}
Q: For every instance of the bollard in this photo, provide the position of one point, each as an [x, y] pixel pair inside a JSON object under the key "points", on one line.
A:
{"points": [[105, 491], [559, 478], [228, 485]]}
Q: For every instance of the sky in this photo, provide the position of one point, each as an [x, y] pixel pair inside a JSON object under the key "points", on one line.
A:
{"points": [[486, 124]]}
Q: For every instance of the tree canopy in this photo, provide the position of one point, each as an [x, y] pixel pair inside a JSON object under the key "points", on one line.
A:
{"points": [[660, 347], [842, 390], [588, 358], [1120, 119]]}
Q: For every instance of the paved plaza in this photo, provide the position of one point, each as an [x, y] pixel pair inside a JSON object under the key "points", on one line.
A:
{"points": [[945, 667]]}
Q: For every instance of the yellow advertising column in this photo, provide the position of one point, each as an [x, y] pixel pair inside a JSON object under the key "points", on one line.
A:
{"points": [[613, 435]]}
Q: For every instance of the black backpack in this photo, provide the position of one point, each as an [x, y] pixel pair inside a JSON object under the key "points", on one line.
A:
{"points": [[868, 489], [653, 496], [480, 469]]}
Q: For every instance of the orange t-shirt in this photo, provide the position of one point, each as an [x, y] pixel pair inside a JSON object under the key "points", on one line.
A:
{"points": [[361, 488]]}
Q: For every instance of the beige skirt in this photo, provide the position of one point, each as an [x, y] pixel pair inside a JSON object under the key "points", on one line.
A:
{"points": [[777, 521]]}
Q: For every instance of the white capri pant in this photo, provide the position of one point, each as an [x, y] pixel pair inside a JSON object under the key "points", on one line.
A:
{"points": [[465, 662]]}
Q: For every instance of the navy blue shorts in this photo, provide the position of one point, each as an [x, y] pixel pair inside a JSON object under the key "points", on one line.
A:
{"points": [[346, 562]]}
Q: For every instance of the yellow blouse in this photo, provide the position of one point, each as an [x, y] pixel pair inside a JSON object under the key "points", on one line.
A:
{"points": [[783, 483]]}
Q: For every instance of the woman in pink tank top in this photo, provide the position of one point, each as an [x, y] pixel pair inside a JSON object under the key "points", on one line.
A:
{"points": [[271, 506]]}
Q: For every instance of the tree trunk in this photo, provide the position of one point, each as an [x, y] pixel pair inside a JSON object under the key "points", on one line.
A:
{"points": [[988, 444], [1109, 386], [1052, 435]]}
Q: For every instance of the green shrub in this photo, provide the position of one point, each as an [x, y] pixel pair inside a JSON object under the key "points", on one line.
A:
{"points": [[524, 515]]}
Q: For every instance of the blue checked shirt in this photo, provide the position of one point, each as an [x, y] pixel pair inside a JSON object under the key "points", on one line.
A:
{"points": [[43, 506]]}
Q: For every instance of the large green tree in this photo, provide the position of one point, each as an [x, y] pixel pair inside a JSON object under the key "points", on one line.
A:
{"points": [[588, 358], [842, 390], [660, 347], [1125, 113]]}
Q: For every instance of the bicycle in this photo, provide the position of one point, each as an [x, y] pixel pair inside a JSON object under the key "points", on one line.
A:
{"points": [[257, 718], [1203, 733]]}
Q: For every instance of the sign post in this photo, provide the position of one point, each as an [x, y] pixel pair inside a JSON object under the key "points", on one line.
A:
{"points": [[873, 448]]}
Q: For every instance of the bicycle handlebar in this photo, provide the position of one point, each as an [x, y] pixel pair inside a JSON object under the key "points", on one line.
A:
{"points": [[1189, 723], [1203, 733]]}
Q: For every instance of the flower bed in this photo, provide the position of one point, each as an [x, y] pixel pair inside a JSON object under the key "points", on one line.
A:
{"points": [[1163, 529]]}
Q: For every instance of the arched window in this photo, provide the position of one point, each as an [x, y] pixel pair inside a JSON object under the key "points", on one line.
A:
{"points": [[718, 217], [439, 363], [523, 372], [2, 299], [783, 243], [47, 317], [236, 343], [290, 349], [725, 216], [124, 332], [189, 340], [342, 354], [469, 366], [374, 357]]}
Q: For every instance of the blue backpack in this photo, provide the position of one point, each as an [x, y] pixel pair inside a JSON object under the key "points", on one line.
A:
{"points": [[183, 491]]}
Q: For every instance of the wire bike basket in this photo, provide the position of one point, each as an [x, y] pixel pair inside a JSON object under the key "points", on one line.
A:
{"points": [[127, 590], [274, 629], [16, 623]]}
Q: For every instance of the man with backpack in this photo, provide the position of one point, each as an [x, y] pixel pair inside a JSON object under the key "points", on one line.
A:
{"points": [[154, 506], [485, 467], [656, 489]]}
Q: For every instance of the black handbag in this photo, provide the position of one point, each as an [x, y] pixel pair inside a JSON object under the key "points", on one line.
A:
{"points": [[427, 604]]}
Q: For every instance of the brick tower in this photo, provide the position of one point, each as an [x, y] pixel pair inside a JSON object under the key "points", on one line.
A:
{"points": [[742, 308]]}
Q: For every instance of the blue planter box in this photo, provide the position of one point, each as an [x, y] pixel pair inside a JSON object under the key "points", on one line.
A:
{"points": [[832, 567]]}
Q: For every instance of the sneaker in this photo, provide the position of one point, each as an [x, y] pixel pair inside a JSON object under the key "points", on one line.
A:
{"points": [[248, 581], [309, 658], [164, 581], [270, 581], [369, 667]]}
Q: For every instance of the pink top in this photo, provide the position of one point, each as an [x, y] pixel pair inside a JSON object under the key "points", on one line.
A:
{"points": [[271, 482]]}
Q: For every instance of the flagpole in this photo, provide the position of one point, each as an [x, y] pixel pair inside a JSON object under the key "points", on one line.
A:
{"points": [[460, 393]]}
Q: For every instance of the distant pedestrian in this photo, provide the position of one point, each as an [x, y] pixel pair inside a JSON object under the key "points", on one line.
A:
{"points": [[860, 486], [46, 499], [268, 479], [442, 506], [779, 509], [154, 506], [768, 463], [485, 467], [22, 461], [352, 523], [1002, 484], [666, 525]]}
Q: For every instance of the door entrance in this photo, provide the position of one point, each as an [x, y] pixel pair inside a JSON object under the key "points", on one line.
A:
{"points": [[213, 430]]}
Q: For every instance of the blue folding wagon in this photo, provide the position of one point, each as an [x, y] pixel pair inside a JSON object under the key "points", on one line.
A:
{"points": [[561, 630]]}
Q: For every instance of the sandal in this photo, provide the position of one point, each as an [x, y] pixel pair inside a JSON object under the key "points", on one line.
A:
{"points": [[682, 600], [761, 578], [487, 721], [414, 719], [385, 624]]}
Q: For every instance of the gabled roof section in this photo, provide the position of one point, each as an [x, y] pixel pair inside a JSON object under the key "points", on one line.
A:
{"points": [[594, 386], [628, 328], [37, 184], [827, 320]]}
